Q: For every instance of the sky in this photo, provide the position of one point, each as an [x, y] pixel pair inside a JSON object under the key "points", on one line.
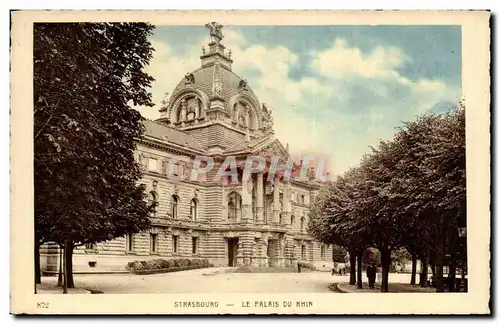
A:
{"points": [[335, 90]]}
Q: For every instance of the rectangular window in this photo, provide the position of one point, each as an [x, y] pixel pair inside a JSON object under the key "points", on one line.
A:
{"points": [[130, 242], [175, 242], [90, 246], [195, 245], [303, 251], [323, 248], [154, 243], [153, 165]]}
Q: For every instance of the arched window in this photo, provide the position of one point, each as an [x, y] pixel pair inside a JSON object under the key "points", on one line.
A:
{"points": [[233, 206], [175, 203], [302, 221], [292, 221], [153, 200], [193, 209]]}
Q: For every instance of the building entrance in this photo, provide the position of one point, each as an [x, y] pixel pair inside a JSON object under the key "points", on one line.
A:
{"points": [[232, 251]]}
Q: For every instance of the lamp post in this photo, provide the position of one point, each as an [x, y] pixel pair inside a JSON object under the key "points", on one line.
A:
{"points": [[462, 233]]}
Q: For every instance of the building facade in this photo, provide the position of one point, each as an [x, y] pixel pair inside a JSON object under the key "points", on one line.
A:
{"points": [[230, 220]]}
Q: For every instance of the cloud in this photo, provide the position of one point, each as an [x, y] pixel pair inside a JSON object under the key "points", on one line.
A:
{"points": [[342, 60], [344, 102]]}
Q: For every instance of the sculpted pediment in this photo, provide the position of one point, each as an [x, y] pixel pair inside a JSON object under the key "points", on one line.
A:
{"points": [[271, 150]]}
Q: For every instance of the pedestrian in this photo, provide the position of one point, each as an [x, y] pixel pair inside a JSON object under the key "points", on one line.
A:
{"points": [[379, 274], [371, 271]]}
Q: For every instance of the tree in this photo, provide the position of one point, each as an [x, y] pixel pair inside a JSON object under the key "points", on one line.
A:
{"points": [[371, 256], [436, 192], [339, 254], [330, 221], [407, 193], [86, 78]]}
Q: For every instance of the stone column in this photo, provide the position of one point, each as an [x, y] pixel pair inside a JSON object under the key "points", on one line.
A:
{"points": [[288, 251], [276, 202], [246, 201], [247, 242], [259, 201], [281, 252], [287, 206], [239, 254], [265, 257], [182, 116]]}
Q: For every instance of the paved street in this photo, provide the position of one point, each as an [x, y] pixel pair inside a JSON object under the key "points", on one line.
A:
{"points": [[213, 280]]}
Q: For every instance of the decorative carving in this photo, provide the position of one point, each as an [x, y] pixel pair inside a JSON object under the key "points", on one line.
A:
{"points": [[265, 109], [250, 185], [267, 122], [269, 189], [192, 108], [155, 185], [229, 54], [217, 88], [212, 116], [215, 31], [143, 162], [164, 166], [243, 85], [186, 171], [241, 113], [195, 193], [189, 78], [247, 117], [165, 101]]}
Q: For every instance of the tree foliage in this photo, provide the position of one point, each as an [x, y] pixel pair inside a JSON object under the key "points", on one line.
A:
{"points": [[87, 77], [407, 193]]}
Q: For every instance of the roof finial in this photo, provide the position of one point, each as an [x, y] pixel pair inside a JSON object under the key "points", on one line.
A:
{"points": [[215, 31]]}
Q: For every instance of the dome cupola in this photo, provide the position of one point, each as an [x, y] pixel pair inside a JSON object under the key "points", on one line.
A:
{"points": [[215, 94]]}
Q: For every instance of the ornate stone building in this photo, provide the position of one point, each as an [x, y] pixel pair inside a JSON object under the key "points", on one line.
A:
{"points": [[261, 222]]}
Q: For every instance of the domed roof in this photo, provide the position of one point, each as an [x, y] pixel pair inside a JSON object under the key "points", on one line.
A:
{"points": [[204, 81], [215, 93]]}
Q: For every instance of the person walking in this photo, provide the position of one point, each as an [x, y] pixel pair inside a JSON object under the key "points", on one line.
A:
{"points": [[371, 271], [379, 274]]}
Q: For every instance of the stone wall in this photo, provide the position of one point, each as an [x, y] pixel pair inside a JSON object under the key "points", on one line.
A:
{"points": [[257, 235]]}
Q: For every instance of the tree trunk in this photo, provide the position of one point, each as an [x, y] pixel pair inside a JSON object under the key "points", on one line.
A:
{"points": [[413, 269], [60, 274], [452, 274], [352, 270], [359, 267], [69, 265], [424, 270], [385, 256], [65, 276], [38, 275], [439, 266]]}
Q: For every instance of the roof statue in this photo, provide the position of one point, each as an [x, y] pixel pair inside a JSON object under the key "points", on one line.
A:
{"points": [[165, 100], [243, 85], [215, 31], [189, 78]]}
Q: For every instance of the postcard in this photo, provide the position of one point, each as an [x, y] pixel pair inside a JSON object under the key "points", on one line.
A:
{"points": [[250, 162]]}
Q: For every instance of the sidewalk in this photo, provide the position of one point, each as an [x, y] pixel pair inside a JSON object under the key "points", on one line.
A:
{"points": [[49, 288], [393, 288]]}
